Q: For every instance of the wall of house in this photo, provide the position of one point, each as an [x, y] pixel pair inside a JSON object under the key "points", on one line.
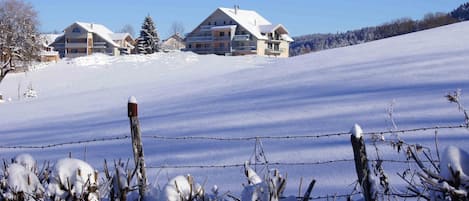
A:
{"points": [[261, 46], [285, 47]]}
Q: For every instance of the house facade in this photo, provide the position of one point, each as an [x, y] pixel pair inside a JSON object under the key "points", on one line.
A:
{"points": [[47, 53], [232, 31], [81, 39], [174, 42]]}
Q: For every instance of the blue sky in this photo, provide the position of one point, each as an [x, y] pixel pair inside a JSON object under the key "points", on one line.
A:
{"points": [[299, 16]]}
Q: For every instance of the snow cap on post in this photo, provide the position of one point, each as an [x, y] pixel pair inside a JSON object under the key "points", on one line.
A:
{"points": [[132, 107], [357, 131]]}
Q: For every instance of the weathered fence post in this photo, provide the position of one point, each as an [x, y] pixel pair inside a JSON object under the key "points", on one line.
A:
{"points": [[137, 146], [361, 162]]}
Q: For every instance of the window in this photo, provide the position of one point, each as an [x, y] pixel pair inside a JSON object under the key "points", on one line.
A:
{"points": [[224, 22], [215, 23], [269, 45], [222, 34], [76, 30], [209, 23], [277, 47], [190, 46]]}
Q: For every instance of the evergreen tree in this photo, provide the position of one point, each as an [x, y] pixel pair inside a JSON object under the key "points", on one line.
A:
{"points": [[148, 42], [461, 13]]}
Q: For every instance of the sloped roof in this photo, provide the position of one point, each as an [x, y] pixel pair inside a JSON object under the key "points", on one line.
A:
{"points": [[248, 19], [48, 39], [98, 29], [119, 36], [271, 28]]}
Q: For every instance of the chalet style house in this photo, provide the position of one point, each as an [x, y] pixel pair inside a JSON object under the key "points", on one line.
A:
{"points": [[238, 32], [174, 42], [81, 39]]}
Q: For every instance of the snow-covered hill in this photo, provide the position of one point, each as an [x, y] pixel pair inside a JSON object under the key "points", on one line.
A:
{"points": [[183, 94]]}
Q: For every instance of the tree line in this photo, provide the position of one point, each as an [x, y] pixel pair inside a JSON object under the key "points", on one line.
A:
{"points": [[316, 42]]}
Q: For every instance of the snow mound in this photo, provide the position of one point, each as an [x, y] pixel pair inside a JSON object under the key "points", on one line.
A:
{"points": [[93, 60], [72, 176], [455, 160]]}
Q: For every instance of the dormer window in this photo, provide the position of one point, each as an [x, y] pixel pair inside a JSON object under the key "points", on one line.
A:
{"points": [[76, 30]]}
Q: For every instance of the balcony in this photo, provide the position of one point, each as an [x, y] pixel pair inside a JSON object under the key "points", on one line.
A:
{"points": [[222, 38], [76, 45], [245, 48], [245, 37], [274, 51], [199, 38], [206, 27]]}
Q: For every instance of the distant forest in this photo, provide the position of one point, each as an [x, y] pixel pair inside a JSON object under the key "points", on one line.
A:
{"points": [[316, 42]]}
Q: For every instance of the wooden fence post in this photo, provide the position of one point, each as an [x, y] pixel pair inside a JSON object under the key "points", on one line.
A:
{"points": [[137, 146], [361, 162]]}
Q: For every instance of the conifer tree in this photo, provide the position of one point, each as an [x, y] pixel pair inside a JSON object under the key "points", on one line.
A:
{"points": [[148, 42]]}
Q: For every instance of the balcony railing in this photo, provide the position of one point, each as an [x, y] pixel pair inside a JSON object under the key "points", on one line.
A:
{"points": [[76, 45], [274, 51], [244, 48], [222, 38], [206, 27], [199, 38], [244, 37]]}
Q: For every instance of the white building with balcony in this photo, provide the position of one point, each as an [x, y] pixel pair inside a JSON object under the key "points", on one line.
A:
{"points": [[238, 32], [81, 39]]}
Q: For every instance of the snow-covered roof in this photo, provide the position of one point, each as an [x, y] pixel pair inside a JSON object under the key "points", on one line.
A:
{"points": [[271, 28], [286, 37], [98, 29], [248, 19], [119, 36], [48, 39]]}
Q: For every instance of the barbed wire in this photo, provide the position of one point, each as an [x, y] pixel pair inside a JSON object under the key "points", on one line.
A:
{"points": [[416, 129], [160, 137], [222, 166], [65, 143], [335, 196]]}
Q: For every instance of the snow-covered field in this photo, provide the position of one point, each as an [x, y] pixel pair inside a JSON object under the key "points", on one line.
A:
{"points": [[184, 94]]}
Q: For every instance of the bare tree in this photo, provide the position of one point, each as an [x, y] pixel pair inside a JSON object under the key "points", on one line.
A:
{"points": [[19, 38], [127, 28], [176, 28]]}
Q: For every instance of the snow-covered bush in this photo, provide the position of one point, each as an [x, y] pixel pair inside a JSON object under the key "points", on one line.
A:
{"points": [[258, 190], [27, 161], [30, 92], [73, 179], [182, 188], [20, 182]]}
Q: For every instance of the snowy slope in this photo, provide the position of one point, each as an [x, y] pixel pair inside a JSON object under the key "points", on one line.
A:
{"points": [[183, 94]]}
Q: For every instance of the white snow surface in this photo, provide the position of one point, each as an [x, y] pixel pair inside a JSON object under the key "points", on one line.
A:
{"points": [[184, 94], [455, 160]]}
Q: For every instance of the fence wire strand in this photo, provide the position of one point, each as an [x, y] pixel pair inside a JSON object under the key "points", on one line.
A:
{"points": [[105, 139], [287, 137]]}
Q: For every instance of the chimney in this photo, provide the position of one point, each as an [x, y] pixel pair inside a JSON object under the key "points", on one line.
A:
{"points": [[91, 25], [236, 7]]}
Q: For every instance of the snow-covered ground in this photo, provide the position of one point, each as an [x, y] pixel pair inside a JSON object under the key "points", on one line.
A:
{"points": [[184, 94]]}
